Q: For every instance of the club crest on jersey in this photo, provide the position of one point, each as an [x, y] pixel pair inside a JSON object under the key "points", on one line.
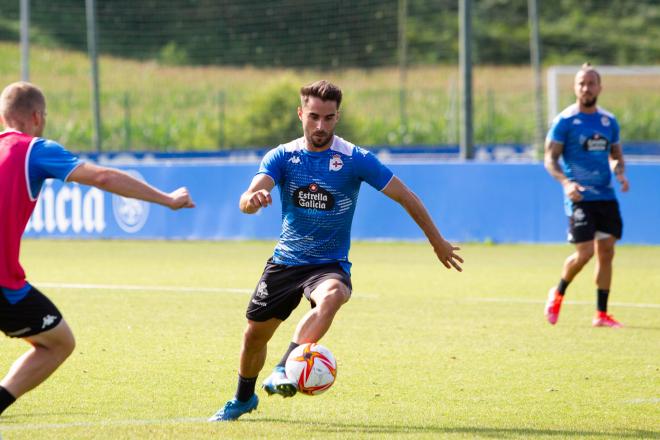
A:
{"points": [[313, 197], [336, 163]]}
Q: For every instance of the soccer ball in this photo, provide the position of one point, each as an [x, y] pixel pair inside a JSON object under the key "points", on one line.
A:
{"points": [[312, 367]]}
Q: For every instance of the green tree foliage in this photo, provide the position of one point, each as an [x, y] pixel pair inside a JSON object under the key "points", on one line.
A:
{"points": [[346, 33]]}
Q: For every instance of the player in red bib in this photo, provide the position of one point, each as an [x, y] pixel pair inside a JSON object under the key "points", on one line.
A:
{"points": [[26, 160]]}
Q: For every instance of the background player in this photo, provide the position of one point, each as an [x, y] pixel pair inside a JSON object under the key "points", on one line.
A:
{"points": [[587, 138], [319, 177], [26, 160]]}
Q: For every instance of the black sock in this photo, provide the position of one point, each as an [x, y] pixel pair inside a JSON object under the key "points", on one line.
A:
{"points": [[292, 346], [245, 388], [6, 399], [562, 286], [603, 295]]}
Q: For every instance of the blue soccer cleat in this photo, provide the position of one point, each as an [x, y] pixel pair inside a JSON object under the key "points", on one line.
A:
{"points": [[235, 408], [278, 383]]}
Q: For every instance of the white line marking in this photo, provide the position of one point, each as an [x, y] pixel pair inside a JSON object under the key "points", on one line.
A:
{"points": [[137, 287], [129, 422], [643, 400], [189, 289], [134, 287]]}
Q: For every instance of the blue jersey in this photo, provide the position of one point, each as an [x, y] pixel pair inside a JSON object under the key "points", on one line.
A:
{"points": [[48, 160], [587, 140], [319, 191]]}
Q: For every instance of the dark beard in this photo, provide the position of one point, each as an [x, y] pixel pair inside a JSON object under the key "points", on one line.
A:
{"points": [[322, 143], [589, 102]]}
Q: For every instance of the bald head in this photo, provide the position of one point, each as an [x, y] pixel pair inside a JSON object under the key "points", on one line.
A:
{"points": [[22, 107]]}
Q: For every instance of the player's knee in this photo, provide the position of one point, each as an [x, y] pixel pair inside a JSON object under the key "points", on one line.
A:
{"points": [[583, 256], [253, 339], [67, 345], [606, 254], [334, 298]]}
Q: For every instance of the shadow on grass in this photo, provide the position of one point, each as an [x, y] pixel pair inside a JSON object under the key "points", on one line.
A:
{"points": [[641, 327], [480, 431]]}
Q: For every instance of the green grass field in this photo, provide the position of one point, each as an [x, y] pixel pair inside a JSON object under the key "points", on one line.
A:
{"points": [[423, 352]]}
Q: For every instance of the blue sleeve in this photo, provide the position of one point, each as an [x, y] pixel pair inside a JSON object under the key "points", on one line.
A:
{"points": [[616, 135], [49, 160], [272, 164], [371, 170], [559, 130]]}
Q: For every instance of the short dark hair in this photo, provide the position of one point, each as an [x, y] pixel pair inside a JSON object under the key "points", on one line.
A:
{"points": [[587, 67], [321, 89]]}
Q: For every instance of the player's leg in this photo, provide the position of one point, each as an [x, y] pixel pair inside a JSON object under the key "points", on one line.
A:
{"points": [[610, 229], [32, 317], [577, 260], [603, 278], [581, 232], [327, 288], [252, 359], [572, 266], [274, 298], [49, 350], [254, 348], [328, 297]]}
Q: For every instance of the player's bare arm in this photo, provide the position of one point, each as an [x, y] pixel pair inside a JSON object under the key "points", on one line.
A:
{"points": [[446, 252], [553, 151], [118, 182], [619, 166], [257, 195]]}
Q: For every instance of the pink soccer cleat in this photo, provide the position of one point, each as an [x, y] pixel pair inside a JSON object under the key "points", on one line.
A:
{"points": [[553, 305], [602, 319]]}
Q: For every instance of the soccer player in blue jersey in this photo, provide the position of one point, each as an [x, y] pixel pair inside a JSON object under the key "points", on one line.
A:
{"points": [[586, 138], [26, 160], [319, 176]]}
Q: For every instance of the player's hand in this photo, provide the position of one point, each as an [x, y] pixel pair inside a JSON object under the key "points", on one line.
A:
{"points": [[573, 190], [625, 186], [258, 199], [447, 255], [180, 198]]}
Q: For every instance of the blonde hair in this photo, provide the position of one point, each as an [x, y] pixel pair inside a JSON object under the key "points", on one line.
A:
{"points": [[19, 100]]}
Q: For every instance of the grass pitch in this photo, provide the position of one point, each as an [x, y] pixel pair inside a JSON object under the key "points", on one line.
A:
{"points": [[423, 352]]}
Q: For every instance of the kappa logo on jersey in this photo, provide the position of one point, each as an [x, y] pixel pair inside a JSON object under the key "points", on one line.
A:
{"points": [[576, 121], [294, 160], [605, 121], [336, 163], [596, 143], [313, 197], [262, 290]]}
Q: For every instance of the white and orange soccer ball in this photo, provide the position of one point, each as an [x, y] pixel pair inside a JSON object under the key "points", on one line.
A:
{"points": [[312, 367]]}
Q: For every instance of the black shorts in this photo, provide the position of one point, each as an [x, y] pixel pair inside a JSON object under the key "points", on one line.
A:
{"points": [[281, 288], [32, 315], [590, 218]]}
